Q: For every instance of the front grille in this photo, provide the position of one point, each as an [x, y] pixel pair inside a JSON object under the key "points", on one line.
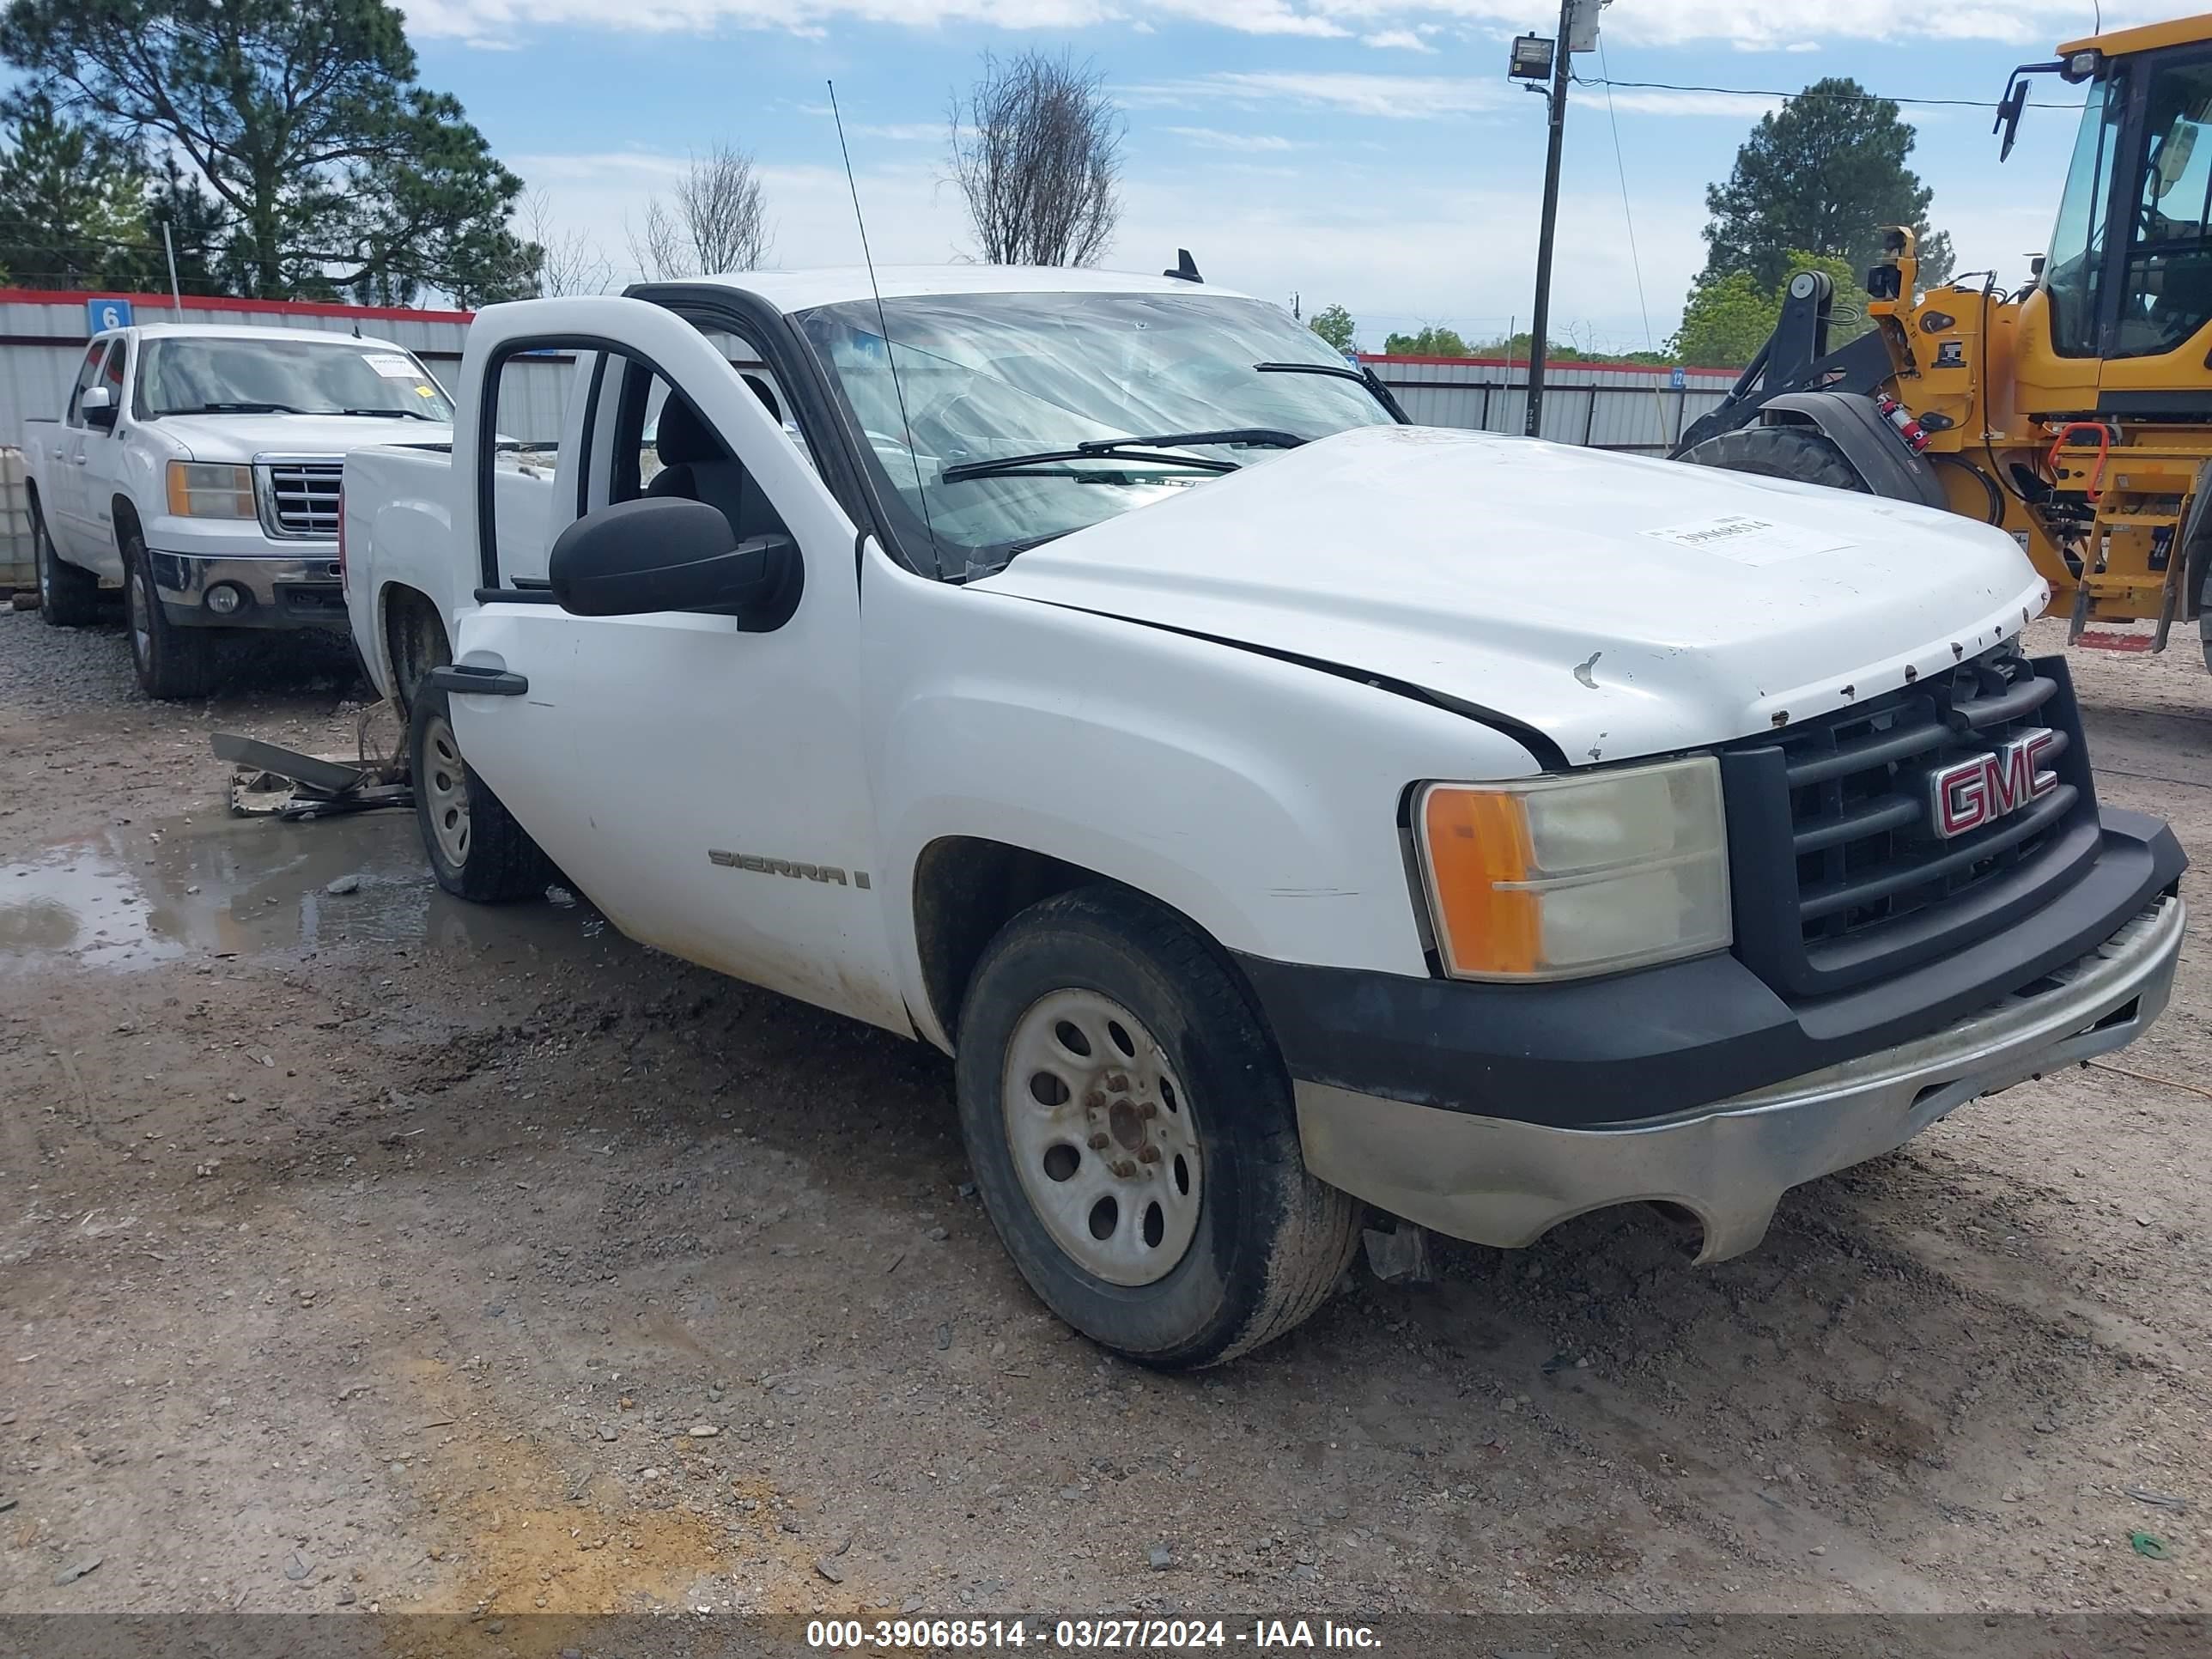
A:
{"points": [[1839, 874], [301, 499]]}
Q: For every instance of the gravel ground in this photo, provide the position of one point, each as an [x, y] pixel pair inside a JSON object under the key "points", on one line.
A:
{"points": [[362, 1249]]}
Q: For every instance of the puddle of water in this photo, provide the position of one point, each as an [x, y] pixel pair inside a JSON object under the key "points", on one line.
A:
{"points": [[140, 895]]}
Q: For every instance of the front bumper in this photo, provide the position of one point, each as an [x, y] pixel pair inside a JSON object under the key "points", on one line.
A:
{"points": [[286, 591], [1505, 1182]]}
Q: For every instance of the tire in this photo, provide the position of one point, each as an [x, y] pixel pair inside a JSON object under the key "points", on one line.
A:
{"points": [[69, 594], [172, 662], [1219, 1239], [476, 849], [1797, 452]]}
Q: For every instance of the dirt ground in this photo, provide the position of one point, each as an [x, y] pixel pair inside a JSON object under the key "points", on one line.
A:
{"points": [[363, 1250]]}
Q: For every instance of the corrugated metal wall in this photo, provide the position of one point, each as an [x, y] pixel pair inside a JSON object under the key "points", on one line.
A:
{"points": [[42, 338], [1608, 406]]}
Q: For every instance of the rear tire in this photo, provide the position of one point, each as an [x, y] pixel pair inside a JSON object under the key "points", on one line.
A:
{"points": [[69, 594], [172, 662], [476, 849], [1143, 1173], [1797, 452]]}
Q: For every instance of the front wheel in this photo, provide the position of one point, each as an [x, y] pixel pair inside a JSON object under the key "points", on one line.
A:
{"points": [[172, 662], [476, 849], [1133, 1138]]}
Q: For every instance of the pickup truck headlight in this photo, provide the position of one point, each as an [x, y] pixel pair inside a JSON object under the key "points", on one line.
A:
{"points": [[1560, 877], [202, 490]]}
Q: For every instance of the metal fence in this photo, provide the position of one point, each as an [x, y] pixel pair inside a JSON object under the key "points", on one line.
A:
{"points": [[1623, 406], [42, 336]]}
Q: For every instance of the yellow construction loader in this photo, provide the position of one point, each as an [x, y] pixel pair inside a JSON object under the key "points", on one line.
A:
{"points": [[2076, 412]]}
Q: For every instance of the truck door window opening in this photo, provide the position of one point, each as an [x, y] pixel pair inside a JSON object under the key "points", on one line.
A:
{"points": [[87, 373]]}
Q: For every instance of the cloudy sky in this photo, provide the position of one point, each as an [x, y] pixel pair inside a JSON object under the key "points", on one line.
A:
{"points": [[1370, 153]]}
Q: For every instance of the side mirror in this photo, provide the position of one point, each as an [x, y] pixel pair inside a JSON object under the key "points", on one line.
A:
{"points": [[97, 406], [667, 553]]}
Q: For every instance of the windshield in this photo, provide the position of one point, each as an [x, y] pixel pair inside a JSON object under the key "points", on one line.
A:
{"points": [[287, 377], [993, 377], [2071, 273]]}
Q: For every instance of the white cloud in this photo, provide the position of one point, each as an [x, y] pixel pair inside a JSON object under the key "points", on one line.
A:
{"points": [[1397, 40], [1404, 97], [1652, 100], [1790, 28], [1214, 139]]}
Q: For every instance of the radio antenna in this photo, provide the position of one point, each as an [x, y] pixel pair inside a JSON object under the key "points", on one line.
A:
{"points": [[890, 356]]}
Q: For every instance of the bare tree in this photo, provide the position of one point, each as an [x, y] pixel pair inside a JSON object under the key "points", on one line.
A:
{"points": [[717, 221], [573, 262], [1037, 152]]}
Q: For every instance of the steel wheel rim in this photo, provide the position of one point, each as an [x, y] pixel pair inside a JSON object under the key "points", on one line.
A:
{"points": [[142, 626], [1105, 1142], [444, 789]]}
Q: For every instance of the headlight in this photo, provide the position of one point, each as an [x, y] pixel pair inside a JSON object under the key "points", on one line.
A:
{"points": [[1555, 878], [201, 490]]}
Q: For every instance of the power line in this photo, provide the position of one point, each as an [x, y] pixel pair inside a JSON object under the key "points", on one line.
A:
{"points": [[1792, 97]]}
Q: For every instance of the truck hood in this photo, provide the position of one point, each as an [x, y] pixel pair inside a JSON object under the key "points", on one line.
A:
{"points": [[1619, 606], [241, 437]]}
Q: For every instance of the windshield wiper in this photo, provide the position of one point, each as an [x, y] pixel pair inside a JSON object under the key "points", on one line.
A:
{"points": [[1366, 377], [1135, 449], [1342, 371], [237, 409], [389, 413]]}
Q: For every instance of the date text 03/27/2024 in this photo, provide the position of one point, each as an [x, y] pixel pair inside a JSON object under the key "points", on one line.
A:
{"points": [[1159, 1634]]}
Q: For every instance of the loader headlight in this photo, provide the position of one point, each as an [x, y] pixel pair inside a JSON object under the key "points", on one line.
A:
{"points": [[202, 490], [1556, 877]]}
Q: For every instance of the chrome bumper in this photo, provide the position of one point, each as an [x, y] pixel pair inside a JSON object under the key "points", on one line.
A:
{"points": [[1500, 1181], [286, 591]]}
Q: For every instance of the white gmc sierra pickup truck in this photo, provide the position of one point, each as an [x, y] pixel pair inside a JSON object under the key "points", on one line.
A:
{"points": [[197, 467], [1484, 829]]}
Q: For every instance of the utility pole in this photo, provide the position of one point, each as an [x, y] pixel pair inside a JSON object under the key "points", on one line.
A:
{"points": [[176, 294], [1578, 33]]}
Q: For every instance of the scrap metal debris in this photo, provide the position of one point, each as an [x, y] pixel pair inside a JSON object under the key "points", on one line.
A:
{"points": [[271, 781]]}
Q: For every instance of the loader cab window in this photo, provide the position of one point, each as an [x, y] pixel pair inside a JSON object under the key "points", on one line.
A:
{"points": [[2073, 274], [2167, 296]]}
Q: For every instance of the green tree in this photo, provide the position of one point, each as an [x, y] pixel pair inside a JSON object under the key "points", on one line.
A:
{"points": [[1334, 325], [72, 203], [334, 169], [1516, 348], [1728, 317], [1822, 175], [1432, 342]]}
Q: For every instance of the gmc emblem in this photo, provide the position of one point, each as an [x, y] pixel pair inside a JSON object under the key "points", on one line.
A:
{"points": [[1969, 793]]}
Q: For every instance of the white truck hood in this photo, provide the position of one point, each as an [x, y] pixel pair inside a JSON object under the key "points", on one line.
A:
{"points": [[1620, 606], [241, 437]]}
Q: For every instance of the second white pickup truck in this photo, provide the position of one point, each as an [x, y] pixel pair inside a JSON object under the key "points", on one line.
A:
{"points": [[198, 467], [1275, 807]]}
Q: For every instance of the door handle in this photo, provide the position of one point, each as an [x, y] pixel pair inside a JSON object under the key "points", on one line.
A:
{"points": [[79, 460], [468, 680]]}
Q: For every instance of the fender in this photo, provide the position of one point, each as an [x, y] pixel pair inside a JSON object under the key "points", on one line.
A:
{"points": [[1867, 441], [1851, 421]]}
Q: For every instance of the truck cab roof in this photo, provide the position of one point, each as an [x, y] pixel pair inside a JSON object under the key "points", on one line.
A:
{"points": [[791, 291], [248, 331]]}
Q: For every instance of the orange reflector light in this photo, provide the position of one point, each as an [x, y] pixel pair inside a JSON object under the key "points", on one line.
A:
{"points": [[1477, 840]]}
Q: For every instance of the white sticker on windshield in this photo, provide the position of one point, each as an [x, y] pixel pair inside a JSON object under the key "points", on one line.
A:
{"points": [[1750, 540], [391, 365]]}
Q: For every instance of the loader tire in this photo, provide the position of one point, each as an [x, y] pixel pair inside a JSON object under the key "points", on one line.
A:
{"points": [[1797, 452]]}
